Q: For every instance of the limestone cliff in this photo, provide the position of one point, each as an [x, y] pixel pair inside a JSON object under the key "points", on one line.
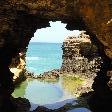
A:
{"points": [[18, 68], [80, 56]]}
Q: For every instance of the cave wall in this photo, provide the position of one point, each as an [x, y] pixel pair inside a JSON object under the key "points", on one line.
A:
{"points": [[19, 19]]}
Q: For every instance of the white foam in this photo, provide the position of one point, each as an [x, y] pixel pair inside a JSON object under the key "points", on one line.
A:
{"points": [[32, 58], [31, 68]]}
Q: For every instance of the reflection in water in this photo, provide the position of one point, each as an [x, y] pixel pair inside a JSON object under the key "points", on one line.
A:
{"points": [[39, 92], [42, 93], [51, 95]]}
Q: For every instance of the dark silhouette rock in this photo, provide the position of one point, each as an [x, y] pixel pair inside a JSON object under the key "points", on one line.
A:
{"points": [[21, 104]]}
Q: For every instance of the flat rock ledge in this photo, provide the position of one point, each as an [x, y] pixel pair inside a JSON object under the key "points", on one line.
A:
{"points": [[49, 76]]}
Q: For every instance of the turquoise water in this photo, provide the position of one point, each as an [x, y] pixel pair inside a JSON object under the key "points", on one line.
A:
{"points": [[42, 57]]}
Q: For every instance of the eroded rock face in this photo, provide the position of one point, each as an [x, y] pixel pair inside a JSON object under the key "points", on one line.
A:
{"points": [[19, 19], [80, 56]]}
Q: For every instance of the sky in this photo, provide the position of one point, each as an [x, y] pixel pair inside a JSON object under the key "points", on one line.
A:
{"points": [[54, 34]]}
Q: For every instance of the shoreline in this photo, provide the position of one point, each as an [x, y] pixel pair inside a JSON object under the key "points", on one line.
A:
{"points": [[53, 76]]}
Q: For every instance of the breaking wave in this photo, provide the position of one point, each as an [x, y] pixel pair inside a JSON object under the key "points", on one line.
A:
{"points": [[32, 58]]}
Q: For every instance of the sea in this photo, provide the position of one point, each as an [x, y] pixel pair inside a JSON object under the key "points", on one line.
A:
{"points": [[43, 57]]}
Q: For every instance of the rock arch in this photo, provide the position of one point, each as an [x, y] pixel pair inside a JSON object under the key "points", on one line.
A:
{"points": [[19, 19]]}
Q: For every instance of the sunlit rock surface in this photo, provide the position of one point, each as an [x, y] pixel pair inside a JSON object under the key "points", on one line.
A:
{"points": [[80, 56], [17, 67]]}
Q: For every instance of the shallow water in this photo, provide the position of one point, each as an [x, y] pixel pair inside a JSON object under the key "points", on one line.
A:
{"points": [[38, 92], [51, 95], [43, 93]]}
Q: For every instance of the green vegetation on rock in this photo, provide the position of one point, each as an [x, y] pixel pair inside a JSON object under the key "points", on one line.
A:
{"points": [[72, 83]]}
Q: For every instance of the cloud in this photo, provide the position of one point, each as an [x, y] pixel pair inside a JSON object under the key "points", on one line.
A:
{"points": [[54, 34]]}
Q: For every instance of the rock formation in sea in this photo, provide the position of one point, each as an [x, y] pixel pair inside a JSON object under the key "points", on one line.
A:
{"points": [[52, 75], [80, 56], [19, 19]]}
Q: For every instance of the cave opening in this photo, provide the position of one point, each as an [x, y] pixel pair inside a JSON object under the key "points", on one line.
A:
{"points": [[44, 56], [44, 49], [20, 19]]}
